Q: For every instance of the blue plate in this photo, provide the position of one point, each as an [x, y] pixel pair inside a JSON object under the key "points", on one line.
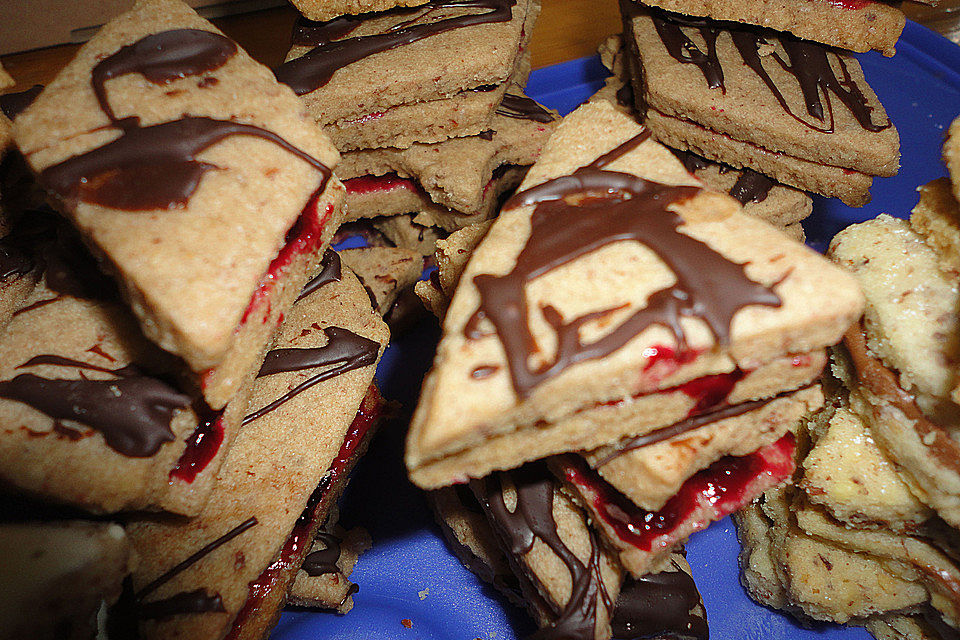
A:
{"points": [[411, 587]]}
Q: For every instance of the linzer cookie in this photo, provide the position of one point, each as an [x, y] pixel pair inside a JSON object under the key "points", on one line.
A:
{"points": [[324, 578], [898, 364], [455, 182], [302, 429], [158, 162], [858, 26], [56, 576], [418, 84], [738, 95], [551, 345]]}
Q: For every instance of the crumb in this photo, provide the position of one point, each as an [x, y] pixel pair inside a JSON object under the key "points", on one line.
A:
{"points": [[423, 594], [408, 623]]}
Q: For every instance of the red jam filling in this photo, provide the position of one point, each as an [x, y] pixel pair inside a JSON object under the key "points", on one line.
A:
{"points": [[363, 185], [291, 552], [850, 4], [201, 448], [724, 487]]}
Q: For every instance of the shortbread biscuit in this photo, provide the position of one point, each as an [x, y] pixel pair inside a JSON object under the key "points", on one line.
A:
{"points": [[568, 577], [56, 576], [323, 580], [410, 232], [298, 432], [385, 272], [951, 155], [406, 56], [729, 87], [937, 218], [327, 9], [617, 354], [855, 26], [451, 257], [191, 291]]}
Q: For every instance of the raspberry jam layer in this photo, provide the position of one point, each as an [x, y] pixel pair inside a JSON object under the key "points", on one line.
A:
{"points": [[278, 573], [201, 448], [709, 495], [364, 185]]}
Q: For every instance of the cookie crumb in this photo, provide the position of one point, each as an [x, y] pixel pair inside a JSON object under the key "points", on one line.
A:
{"points": [[407, 622], [423, 594]]}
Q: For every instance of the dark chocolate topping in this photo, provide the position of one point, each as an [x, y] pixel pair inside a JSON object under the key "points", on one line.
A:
{"points": [[133, 411], [318, 563], [315, 68], [660, 604], [684, 426], [161, 58], [11, 104], [533, 519], [185, 602], [691, 161], [13, 260], [344, 349], [195, 557], [751, 187], [523, 108], [612, 207], [685, 51], [331, 271], [153, 167]]}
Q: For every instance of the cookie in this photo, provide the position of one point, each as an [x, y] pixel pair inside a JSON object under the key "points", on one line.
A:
{"points": [[451, 257], [855, 26], [937, 218], [407, 58], [385, 272], [56, 576], [463, 175], [210, 302], [898, 363], [324, 578], [301, 430], [327, 9], [575, 285], [410, 232], [951, 155], [732, 88]]}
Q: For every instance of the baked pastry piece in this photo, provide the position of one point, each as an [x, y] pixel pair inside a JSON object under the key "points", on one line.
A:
{"points": [[323, 580], [56, 576], [898, 364], [327, 9], [738, 96], [587, 356], [385, 272], [856, 26], [417, 84], [451, 183], [451, 256], [951, 155], [231, 565], [158, 162], [411, 232]]}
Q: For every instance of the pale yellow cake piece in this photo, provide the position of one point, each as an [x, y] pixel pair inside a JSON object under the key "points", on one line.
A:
{"points": [[613, 282]]}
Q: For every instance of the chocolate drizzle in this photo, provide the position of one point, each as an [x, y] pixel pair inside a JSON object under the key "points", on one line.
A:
{"points": [[318, 563], [612, 207], [133, 411], [523, 108], [331, 271], [155, 167], [809, 63], [532, 519], [684, 426], [11, 104], [185, 602], [660, 604], [330, 53], [751, 187], [344, 349]]}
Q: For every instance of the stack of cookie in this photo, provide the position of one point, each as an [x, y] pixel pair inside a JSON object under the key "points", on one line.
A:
{"points": [[180, 352], [637, 331], [767, 88], [869, 533], [426, 105]]}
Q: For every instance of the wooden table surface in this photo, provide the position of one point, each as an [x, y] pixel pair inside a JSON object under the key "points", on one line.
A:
{"points": [[566, 29]]}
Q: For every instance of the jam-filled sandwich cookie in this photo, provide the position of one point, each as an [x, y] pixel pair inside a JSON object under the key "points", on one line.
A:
{"points": [[327, 9], [737, 94], [551, 345], [158, 163]]}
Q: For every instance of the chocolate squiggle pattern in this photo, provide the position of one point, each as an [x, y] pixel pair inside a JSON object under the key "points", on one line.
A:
{"points": [[132, 411], [155, 167], [809, 64], [523, 108], [660, 604], [532, 520], [331, 51], [612, 207], [344, 349], [318, 563], [330, 271]]}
